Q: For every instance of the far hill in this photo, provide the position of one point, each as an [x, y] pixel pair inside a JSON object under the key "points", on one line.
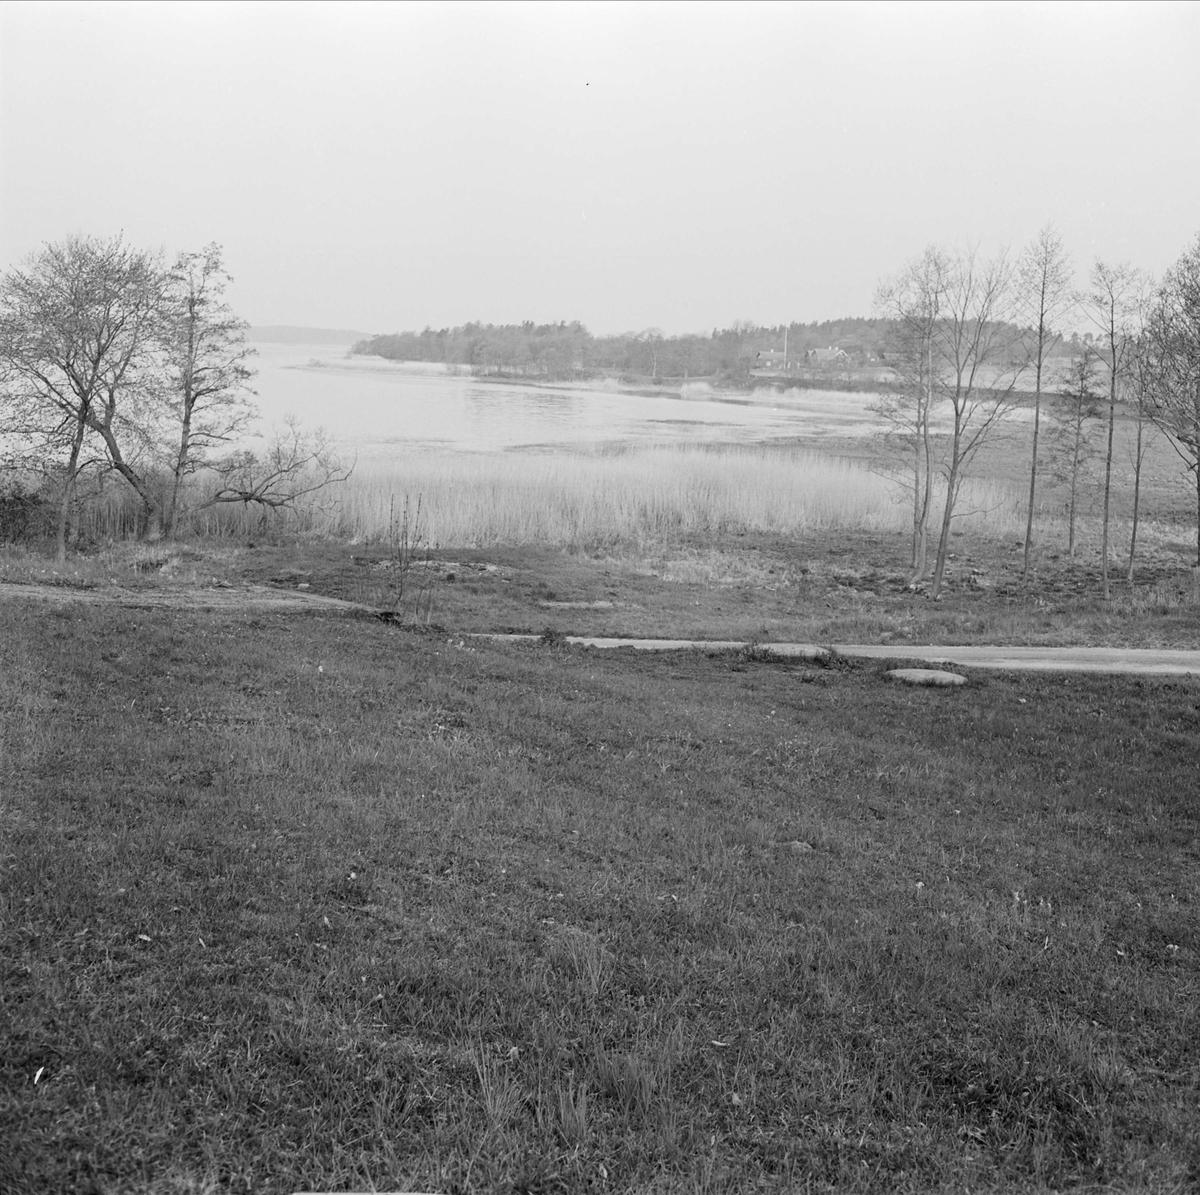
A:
{"points": [[287, 334]]}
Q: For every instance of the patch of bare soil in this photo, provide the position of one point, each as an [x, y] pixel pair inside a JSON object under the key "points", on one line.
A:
{"points": [[214, 597]]}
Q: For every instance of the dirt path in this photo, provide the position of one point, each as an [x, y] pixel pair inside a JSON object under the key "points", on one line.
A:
{"points": [[1133, 661], [1151, 661]]}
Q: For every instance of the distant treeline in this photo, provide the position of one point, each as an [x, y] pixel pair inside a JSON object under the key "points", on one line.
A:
{"points": [[569, 349]]}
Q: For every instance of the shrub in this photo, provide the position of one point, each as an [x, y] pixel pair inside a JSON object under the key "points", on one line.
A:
{"points": [[24, 513]]}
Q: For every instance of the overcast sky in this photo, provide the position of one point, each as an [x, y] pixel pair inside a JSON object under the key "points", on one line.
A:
{"points": [[381, 167]]}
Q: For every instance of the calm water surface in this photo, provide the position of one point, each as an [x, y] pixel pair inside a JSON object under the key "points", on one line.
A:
{"points": [[381, 412]]}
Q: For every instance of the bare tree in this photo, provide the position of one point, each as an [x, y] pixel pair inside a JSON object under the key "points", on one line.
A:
{"points": [[76, 340], [1174, 337], [1115, 301], [1142, 384], [975, 368], [207, 357], [1044, 295], [912, 301], [652, 339], [294, 465], [1071, 445]]}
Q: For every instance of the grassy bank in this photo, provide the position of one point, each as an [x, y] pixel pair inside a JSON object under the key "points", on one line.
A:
{"points": [[836, 586], [322, 904]]}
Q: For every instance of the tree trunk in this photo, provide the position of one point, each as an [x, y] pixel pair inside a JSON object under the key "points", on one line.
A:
{"points": [[152, 510], [1112, 419], [171, 521], [948, 512], [1077, 448], [916, 511], [1037, 418], [921, 554], [1137, 490], [1196, 408], [181, 461], [63, 516], [944, 538], [927, 460], [69, 491], [922, 474], [1198, 513]]}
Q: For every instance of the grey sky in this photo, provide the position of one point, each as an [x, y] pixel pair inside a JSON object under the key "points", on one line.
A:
{"points": [[387, 166]]}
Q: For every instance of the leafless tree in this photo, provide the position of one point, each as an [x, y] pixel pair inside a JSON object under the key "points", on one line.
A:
{"points": [[652, 339], [294, 465], [912, 301], [208, 372], [1115, 301], [1071, 445], [1173, 333], [1044, 297], [976, 365], [77, 327], [1142, 380]]}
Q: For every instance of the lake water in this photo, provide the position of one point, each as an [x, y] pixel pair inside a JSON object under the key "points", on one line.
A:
{"points": [[379, 409]]}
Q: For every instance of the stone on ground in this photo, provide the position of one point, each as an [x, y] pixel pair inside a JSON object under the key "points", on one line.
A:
{"points": [[926, 676]]}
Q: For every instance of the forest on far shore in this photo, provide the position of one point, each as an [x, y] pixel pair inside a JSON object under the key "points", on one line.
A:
{"points": [[568, 349]]}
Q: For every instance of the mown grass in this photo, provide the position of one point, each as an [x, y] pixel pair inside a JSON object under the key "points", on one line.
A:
{"points": [[323, 904]]}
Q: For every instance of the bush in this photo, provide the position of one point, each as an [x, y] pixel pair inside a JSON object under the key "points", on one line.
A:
{"points": [[24, 513], [737, 374]]}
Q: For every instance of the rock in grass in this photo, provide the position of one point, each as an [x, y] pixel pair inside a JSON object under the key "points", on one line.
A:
{"points": [[925, 676]]}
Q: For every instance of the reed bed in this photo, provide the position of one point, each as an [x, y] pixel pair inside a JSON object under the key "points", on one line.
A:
{"points": [[627, 497], [639, 495]]}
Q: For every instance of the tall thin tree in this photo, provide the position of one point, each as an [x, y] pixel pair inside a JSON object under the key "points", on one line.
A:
{"points": [[1114, 300], [1044, 297], [912, 301], [976, 366], [1071, 443], [1143, 379]]}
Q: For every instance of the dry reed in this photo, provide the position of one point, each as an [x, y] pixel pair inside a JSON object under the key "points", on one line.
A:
{"points": [[628, 497], [639, 495]]}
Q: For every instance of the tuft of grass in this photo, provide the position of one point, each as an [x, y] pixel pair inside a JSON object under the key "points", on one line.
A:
{"points": [[320, 904]]}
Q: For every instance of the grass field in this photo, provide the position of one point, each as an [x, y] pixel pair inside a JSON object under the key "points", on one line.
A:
{"points": [[318, 903], [323, 903]]}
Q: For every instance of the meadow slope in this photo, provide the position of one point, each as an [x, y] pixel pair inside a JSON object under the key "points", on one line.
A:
{"points": [[326, 904]]}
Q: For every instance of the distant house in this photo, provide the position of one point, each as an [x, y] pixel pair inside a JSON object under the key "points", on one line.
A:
{"points": [[829, 356], [770, 359]]}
